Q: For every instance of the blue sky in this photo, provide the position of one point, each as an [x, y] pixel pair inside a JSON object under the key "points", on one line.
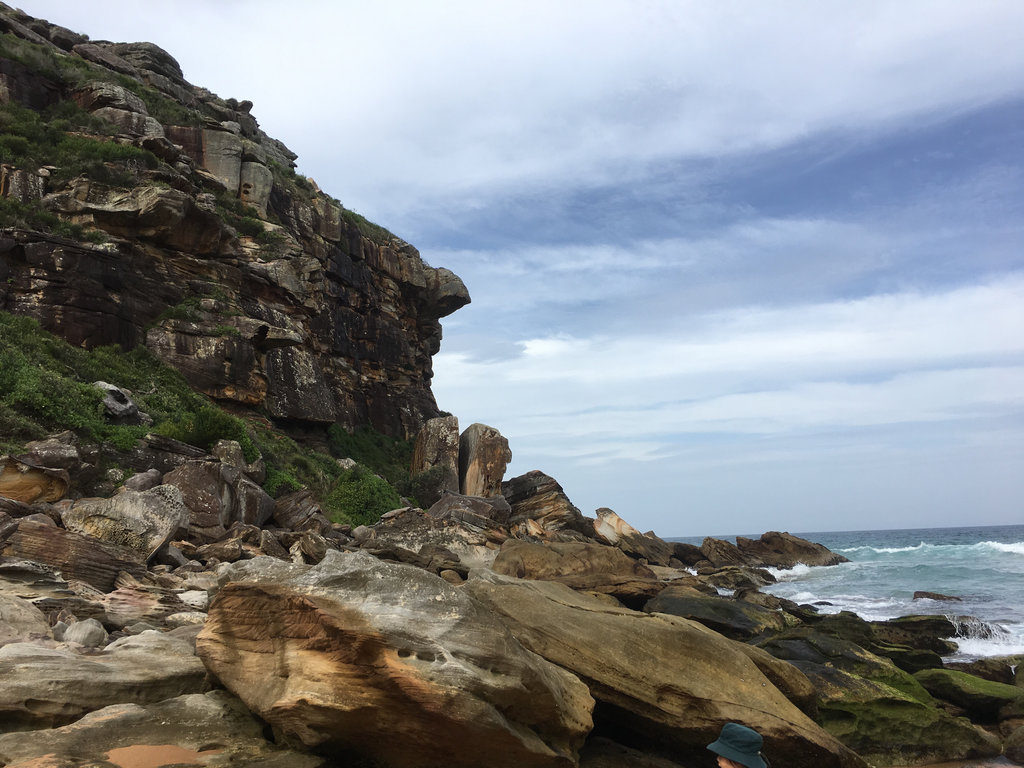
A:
{"points": [[735, 266]]}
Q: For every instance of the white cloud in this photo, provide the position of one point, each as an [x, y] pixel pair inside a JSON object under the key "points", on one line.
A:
{"points": [[900, 358]]}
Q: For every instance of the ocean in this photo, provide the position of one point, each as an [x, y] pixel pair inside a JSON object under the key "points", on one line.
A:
{"points": [[984, 566]]}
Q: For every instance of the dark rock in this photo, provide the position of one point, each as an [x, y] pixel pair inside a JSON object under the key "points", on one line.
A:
{"points": [[436, 451], [721, 553], [784, 550], [537, 498], [735, 619], [921, 595], [982, 699]]}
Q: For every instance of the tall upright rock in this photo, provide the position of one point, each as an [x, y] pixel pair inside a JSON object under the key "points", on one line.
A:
{"points": [[483, 456]]}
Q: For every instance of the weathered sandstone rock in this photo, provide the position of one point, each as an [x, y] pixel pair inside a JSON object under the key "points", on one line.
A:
{"points": [[194, 729], [217, 496], [414, 529], [28, 483], [667, 682], [20, 620], [613, 530], [142, 521], [721, 553], [582, 566], [735, 619], [437, 450], [784, 550], [46, 687], [483, 456], [77, 557], [537, 497], [390, 661]]}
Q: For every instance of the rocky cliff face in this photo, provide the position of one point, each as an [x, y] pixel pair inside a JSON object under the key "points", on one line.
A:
{"points": [[192, 234]]}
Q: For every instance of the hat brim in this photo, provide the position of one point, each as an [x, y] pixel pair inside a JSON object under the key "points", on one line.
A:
{"points": [[743, 758]]}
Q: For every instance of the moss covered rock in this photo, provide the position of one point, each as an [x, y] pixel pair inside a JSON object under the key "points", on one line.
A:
{"points": [[984, 700]]}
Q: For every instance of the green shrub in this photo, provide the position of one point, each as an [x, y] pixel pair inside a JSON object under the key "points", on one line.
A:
{"points": [[206, 426], [46, 386], [387, 456], [360, 498]]}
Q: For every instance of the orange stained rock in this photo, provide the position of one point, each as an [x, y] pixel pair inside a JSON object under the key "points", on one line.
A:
{"points": [[155, 756]]}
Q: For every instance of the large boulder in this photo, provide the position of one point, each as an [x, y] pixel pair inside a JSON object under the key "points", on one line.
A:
{"points": [[436, 451], [721, 553], [21, 621], [587, 567], [981, 699], [538, 498], [219, 495], [874, 707], [48, 687], [387, 660], [736, 619], [413, 529], [784, 550], [614, 531], [659, 680], [76, 556], [141, 521], [186, 730], [483, 456], [27, 482]]}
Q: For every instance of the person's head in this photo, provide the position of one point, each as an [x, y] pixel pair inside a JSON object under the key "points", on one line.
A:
{"points": [[738, 747]]}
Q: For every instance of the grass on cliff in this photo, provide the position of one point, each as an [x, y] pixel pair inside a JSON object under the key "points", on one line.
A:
{"points": [[46, 387]]}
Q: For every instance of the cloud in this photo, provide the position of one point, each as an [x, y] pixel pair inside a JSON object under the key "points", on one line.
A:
{"points": [[880, 360]]}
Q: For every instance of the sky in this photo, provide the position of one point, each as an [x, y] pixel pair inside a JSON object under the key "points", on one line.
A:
{"points": [[735, 266]]}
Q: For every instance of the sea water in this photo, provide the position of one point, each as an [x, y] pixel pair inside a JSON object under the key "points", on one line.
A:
{"points": [[983, 566]]}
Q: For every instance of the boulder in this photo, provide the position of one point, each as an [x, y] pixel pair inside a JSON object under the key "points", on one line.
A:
{"points": [[665, 682], [924, 595], [389, 661], [981, 699], [872, 706], [77, 557], [539, 498], [1014, 746], [299, 511], [87, 632], [784, 550], [687, 554], [489, 515], [21, 621], [195, 729], [611, 529], [413, 529], [735, 619], [436, 451], [47, 687], [582, 566], [483, 456], [737, 577], [217, 496], [27, 482], [118, 405], [721, 553], [141, 521]]}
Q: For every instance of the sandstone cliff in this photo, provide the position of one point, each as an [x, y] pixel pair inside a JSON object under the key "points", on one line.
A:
{"points": [[141, 209]]}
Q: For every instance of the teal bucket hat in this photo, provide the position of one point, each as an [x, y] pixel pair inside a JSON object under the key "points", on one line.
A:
{"points": [[741, 745]]}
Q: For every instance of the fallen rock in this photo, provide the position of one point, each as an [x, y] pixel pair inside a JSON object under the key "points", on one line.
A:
{"points": [[539, 498], [141, 521], [195, 729], [581, 566], [28, 483], [389, 661], [784, 550], [77, 557], [21, 621], [662, 681], [436, 451], [611, 529], [47, 687], [982, 699], [736, 619], [217, 496]]}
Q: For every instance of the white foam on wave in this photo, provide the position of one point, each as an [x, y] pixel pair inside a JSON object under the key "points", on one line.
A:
{"points": [[886, 550], [795, 573], [979, 648], [1016, 548]]}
